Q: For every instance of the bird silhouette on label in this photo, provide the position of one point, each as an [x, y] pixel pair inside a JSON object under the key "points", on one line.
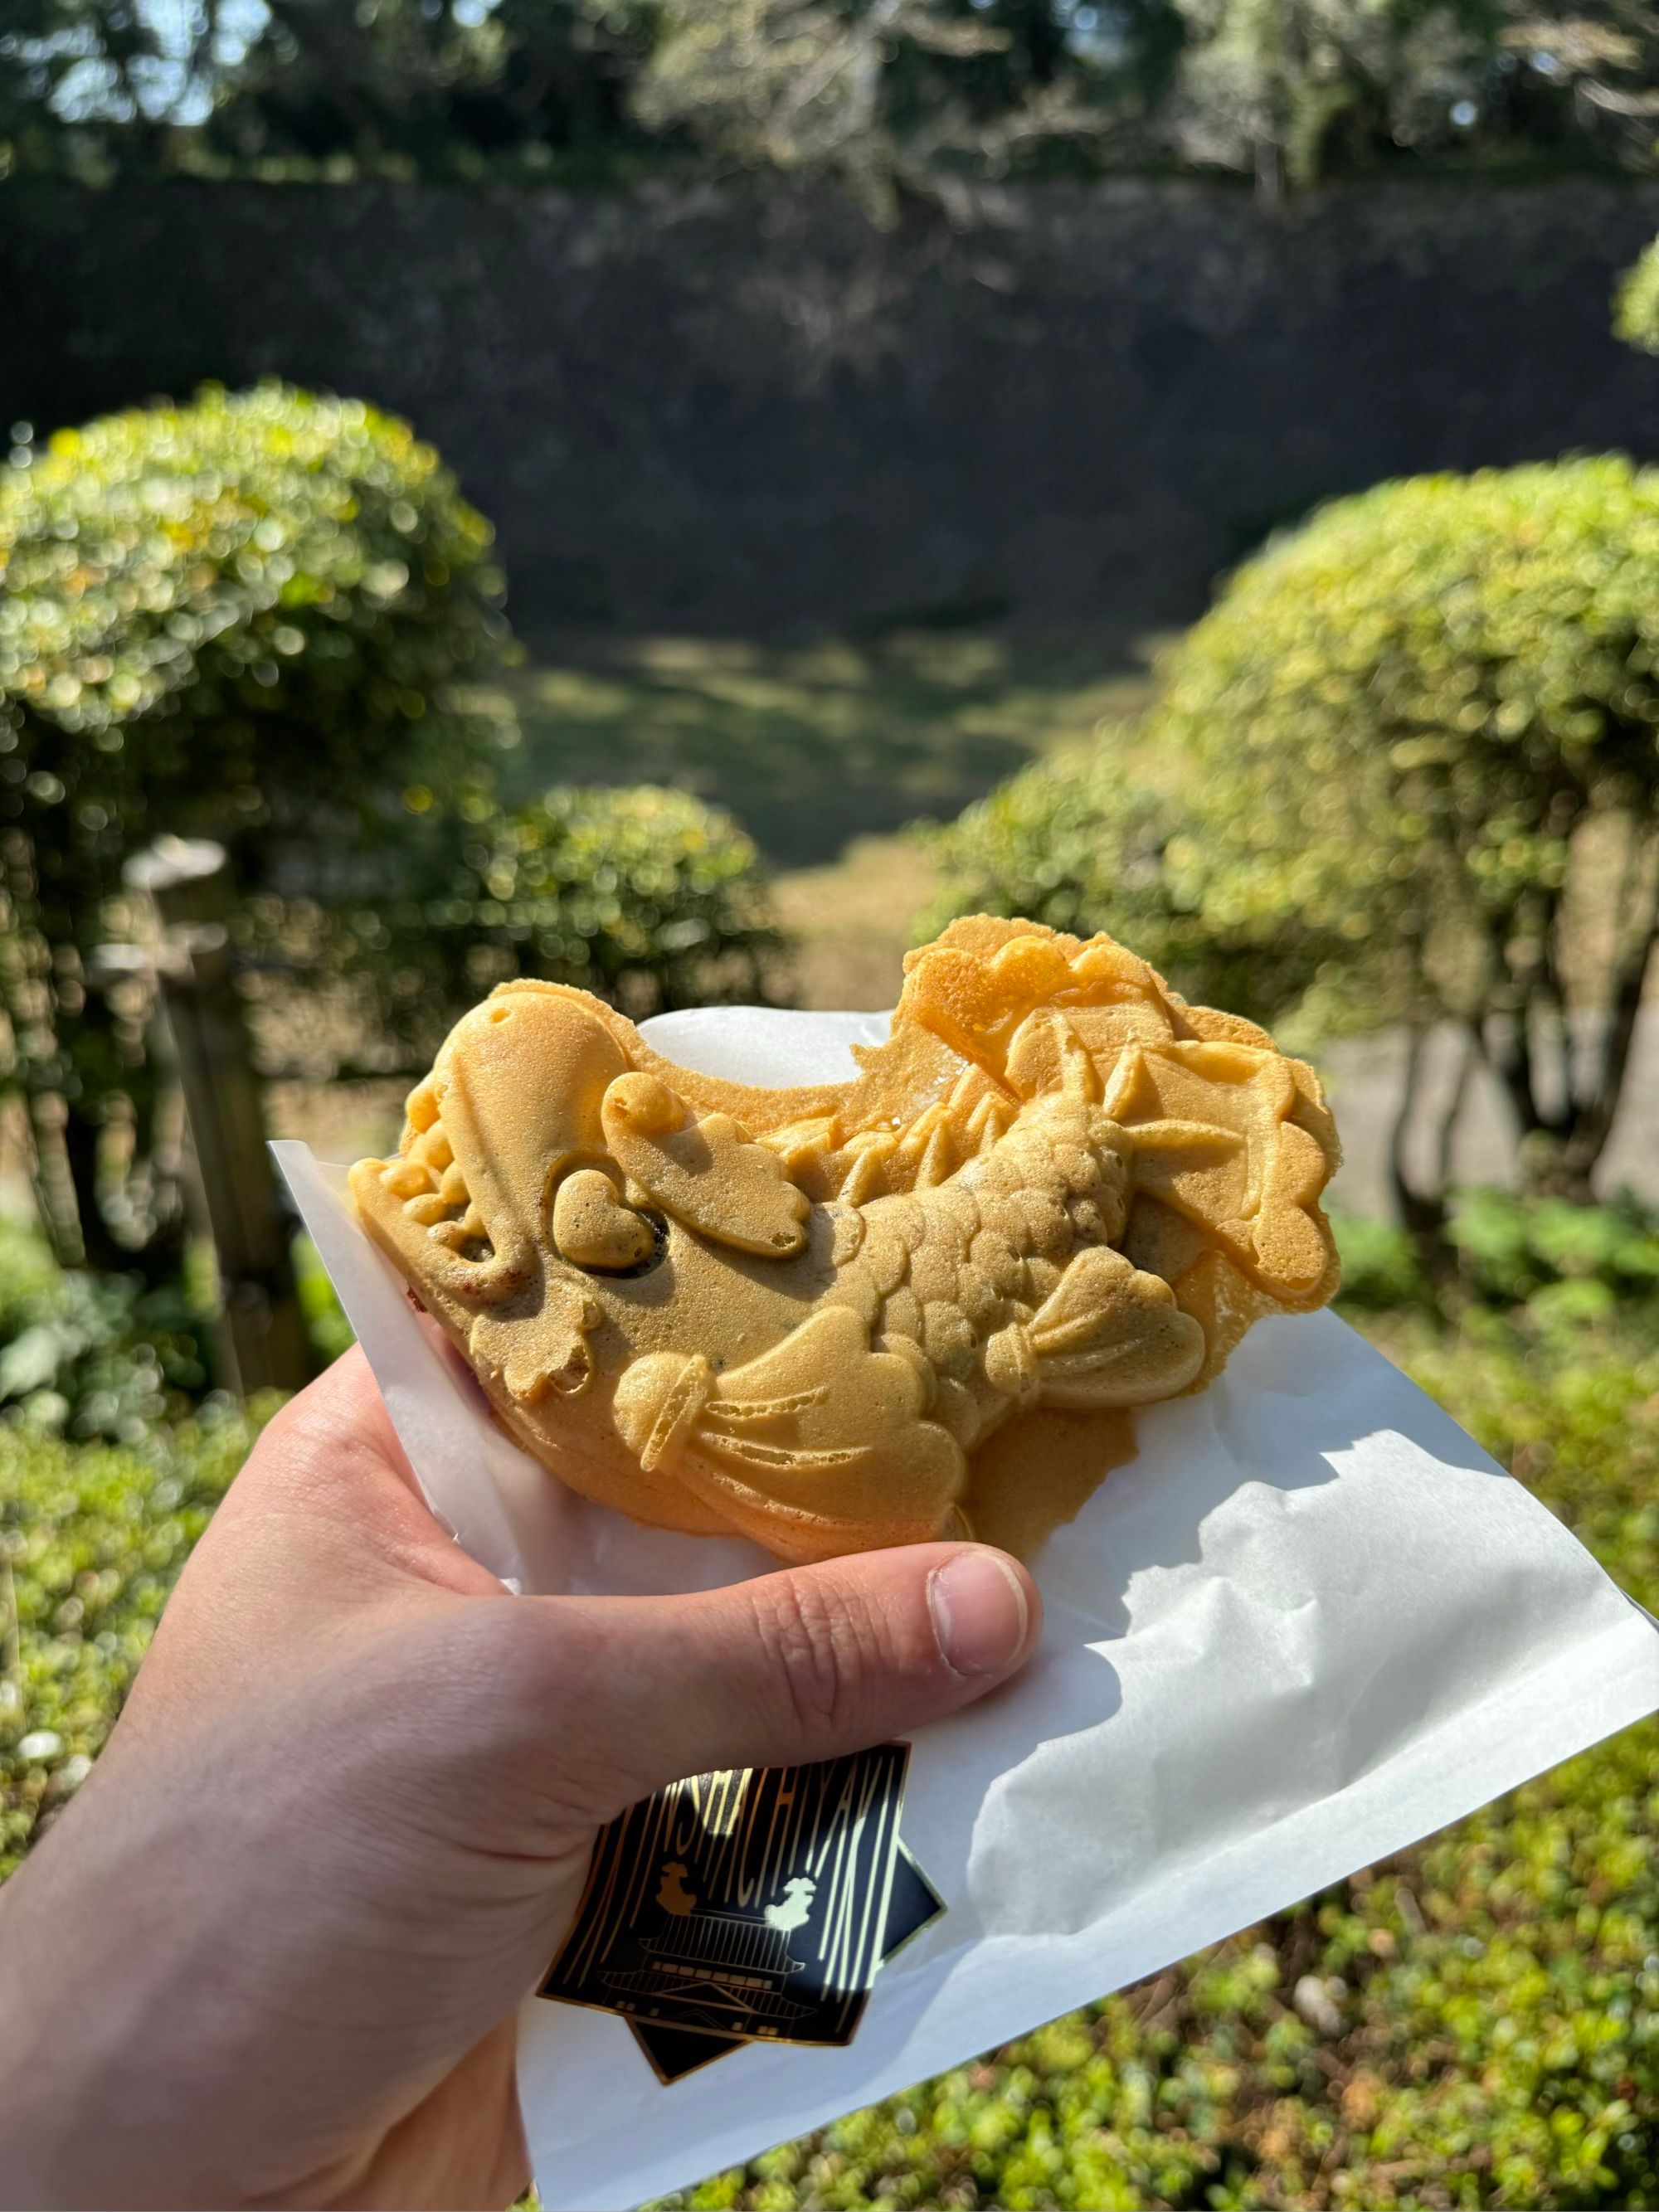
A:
{"points": [[797, 1904], [672, 1894]]}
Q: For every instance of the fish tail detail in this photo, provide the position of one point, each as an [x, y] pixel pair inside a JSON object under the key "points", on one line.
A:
{"points": [[730, 1411], [660, 1400], [791, 1459], [855, 1417]]}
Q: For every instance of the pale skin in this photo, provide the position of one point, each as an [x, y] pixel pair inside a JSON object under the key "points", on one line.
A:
{"points": [[272, 1952]]}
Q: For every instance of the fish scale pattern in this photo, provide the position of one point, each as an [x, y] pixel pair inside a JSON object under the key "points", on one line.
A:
{"points": [[1056, 1190], [944, 1269]]}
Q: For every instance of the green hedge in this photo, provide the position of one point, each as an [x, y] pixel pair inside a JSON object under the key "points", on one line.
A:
{"points": [[1364, 773], [649, 896], [1541, 1264], [91, 1539], [96, 1355]]}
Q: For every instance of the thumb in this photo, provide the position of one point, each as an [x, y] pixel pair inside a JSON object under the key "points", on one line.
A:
{"points": [[790, 1668]]}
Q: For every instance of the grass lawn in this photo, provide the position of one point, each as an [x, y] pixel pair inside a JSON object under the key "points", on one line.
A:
{"points": [[813, 745], [823, 752]]}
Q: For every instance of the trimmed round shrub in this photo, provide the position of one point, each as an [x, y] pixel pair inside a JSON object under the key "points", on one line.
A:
{"points": [[1080, 841], [243, 619], [1426, 688], [647, 896], [216, 615], [1071, 840], [1636, 302], [1367, 766]]}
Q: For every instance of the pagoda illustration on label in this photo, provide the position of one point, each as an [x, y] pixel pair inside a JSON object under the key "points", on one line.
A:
{"points": [[753, 1906], [738, 1963]]}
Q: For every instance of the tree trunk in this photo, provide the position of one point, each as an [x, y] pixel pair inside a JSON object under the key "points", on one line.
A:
{"points": [[1269, 166], [1422, 1213], [263, 1340], [84, 1139], [1592, 1119], [1560, 1150], [53, 1185]]}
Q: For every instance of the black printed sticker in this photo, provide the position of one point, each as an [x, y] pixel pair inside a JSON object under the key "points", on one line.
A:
{"points": [[674, 2052], [749, 1905]]}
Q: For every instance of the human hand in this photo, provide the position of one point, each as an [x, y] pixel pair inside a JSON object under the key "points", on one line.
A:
{"points": [[272, 1951]]}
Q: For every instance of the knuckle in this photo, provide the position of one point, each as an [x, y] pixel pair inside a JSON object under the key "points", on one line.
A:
{"points": [[484, 1659], [817, 1647], [499, 1676]]}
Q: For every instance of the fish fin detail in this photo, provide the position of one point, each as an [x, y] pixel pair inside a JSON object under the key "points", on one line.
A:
{"points": [[539, 1354], [848, 1441], [1107, 1335], [788, 1458], [1225, 1134], [1046, 1054], [732, 1410], [705, 1172]]}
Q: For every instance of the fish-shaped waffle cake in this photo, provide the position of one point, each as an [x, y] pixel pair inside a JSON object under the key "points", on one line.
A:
{"points": [[913, 1304]]}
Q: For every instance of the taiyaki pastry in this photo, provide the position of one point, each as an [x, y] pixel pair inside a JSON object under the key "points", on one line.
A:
{"points": [[918, 1303]]}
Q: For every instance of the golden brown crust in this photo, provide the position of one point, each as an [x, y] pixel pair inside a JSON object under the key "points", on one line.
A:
{"points": [[800, 1313]]}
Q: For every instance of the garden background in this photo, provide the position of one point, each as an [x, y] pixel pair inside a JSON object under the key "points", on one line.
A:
{"points": [[683, 495]]}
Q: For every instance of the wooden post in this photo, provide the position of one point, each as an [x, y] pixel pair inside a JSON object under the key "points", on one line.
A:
{"points": [[263, 1334]]}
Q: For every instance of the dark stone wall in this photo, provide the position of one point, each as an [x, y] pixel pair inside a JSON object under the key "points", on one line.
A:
{"points": [[696, 413]]}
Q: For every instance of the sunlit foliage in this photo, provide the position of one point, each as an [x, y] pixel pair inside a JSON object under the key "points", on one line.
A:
{"points": [[647, 896], [1405, 769], [238, 619], [930, 96], [1636, 302]]}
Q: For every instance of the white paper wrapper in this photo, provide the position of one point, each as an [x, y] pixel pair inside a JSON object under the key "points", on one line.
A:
{"points": [[1311, 1622]]}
